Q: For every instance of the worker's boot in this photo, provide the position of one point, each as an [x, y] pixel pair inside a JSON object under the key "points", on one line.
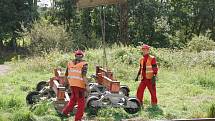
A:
{"points": [[63, 115]]}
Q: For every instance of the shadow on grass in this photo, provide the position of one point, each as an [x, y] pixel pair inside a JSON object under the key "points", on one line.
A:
{"points": [[8, 54]]}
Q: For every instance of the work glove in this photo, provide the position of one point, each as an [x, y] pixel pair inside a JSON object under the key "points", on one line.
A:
{"points": [[154, 78], [136, 79]]}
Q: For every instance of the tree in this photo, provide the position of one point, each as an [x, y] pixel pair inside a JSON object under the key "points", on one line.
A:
{"points": [[14, 13], [123, 8], [142, 15], [154, 22]]}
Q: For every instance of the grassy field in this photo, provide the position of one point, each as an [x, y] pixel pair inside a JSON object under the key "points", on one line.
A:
{"points": [[185, 88]]}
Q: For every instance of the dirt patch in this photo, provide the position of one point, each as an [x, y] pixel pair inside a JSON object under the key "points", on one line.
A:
{"points": [[4, 69]]}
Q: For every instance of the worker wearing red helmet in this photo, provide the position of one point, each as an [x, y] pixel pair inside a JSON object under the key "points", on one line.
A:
{"points": [[148, 71], [76, 76]]}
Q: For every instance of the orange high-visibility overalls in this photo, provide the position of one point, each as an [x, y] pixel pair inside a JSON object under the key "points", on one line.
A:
{"points": [[77, 85], [147, 72]]}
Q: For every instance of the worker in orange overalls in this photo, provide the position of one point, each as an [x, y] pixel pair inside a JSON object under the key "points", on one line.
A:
{"points": [[76, 76], [148, 71]]}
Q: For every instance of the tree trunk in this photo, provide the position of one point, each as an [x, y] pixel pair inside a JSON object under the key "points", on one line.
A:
{"points": [[212, 24], [1, 45], [124, 23], [13, 40], [200, 27], [35, 3], [86, 24]]}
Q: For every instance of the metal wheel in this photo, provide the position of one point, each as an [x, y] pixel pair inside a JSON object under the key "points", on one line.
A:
{"points": [[135, 106], [124, 91], [91, 108], [41, 85], [32, 97]]}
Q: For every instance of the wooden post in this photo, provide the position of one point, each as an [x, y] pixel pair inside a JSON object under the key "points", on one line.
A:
{"points": [[123, 8]]}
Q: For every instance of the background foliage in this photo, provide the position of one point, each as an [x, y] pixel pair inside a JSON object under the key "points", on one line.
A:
{"points": [[36, 39]]}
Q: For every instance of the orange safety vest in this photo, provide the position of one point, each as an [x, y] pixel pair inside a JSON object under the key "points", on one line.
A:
{"points": [[75, 74], [149, 71]]}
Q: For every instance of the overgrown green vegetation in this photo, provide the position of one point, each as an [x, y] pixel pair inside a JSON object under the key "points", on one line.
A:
{"points": [[185, 87], [34, 40]]}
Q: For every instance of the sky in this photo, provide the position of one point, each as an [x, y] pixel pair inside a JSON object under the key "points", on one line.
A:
{"points": [[42, 3]]}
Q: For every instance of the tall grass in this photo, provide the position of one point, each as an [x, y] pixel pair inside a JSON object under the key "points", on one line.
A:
{"points": [[185, 88], [22, 115], [211, 112]]}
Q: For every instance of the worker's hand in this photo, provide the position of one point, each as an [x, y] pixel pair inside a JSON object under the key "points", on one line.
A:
{"points": [[154, 79], [136, 79]]}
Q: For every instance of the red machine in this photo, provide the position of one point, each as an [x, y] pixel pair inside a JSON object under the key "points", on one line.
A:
{"points": [[52, 89], [105, 92], [105, 78]]}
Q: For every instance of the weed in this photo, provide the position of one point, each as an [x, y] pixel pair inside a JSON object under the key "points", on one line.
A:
{"points": [[211, 112], [22, 115], [43, 108]]}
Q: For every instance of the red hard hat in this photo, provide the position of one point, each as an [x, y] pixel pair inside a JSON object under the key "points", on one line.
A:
{"points": [[79, 52], [145, 46]]}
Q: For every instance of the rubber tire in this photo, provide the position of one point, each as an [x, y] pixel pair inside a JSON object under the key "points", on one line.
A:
{"points": [[133, 110], [30, 97], [41, 85], [90, 109], [124, 91]]}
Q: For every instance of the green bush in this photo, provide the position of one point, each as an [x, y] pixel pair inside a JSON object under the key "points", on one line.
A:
{"points": [[127, 55], [46, 37], [201, 43], [82, 42], [174, 58], [178, 40], [46, 62]]}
